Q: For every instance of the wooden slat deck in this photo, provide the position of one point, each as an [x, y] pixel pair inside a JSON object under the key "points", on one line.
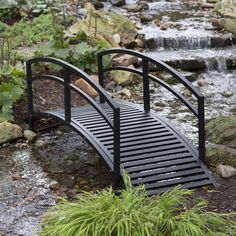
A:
{"points": [[151, 151]]}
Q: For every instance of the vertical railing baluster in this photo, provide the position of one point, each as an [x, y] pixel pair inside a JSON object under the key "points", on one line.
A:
{"points": [[29, 96], [67, 96], [146, 93], [116, 134], [201, 127], [100, 75]]}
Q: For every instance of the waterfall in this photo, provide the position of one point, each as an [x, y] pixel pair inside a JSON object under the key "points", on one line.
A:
{"points": [[183, 42], [216, 64]]}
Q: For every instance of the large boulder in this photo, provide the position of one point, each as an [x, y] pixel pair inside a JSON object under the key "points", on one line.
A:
{"points": [[227, 8], [222, 131], [9, 132], [105, 25], [220, 155]]}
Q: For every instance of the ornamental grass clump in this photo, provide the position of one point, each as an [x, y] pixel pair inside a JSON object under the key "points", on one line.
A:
{"points": [[132, 213]]}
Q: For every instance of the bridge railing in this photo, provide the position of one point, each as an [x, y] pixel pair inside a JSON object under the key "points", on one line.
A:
{"points": [[69, 69], [145, 73]]}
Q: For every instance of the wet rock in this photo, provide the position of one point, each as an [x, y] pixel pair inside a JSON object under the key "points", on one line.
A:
{"points": [[111, 85], [138, 25], [30, 135], [133, 8], [124, 60], [227, 94], [201, 82], [217, 23], [98, 5], [122, 77], [118, 3], [207, 5], [41, 143], [220, 154], [67, 180], [82, 12], [226, 171], [146, 18], [86, 87], [53, 184], [222, 130], [9, 132], [124, 92]]}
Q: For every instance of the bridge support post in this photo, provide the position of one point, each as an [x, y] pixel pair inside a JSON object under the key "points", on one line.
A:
{"points": [[116, 132], [201, 127], [67, 96], [29, 96], [100, 76], [146, 92]]}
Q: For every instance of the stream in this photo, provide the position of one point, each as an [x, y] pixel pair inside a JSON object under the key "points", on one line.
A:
{"points": [[31, 176]]}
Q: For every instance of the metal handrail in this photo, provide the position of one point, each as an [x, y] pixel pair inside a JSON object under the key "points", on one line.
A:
{"points": [[198, 112], [80, 92]]}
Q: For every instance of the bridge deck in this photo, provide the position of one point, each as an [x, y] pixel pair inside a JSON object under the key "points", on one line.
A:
{"points": [[151, 151]]}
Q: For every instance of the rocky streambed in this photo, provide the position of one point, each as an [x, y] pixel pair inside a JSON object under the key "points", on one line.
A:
{"points": [[60, 164]]}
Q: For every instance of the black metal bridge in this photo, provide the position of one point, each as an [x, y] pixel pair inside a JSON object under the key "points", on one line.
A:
{"points": [[129, 136]]}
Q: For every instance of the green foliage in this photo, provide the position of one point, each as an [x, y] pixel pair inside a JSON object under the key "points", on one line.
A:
{"points": [[131, 212], [27, 32], [11, 89], [80, 50]]}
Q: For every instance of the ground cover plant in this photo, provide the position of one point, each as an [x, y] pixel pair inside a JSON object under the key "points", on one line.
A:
{"points": [[131, 212]]}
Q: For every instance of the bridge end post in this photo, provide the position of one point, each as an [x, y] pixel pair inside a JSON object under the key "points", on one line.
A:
{"points": [[201, 127], [146, 90], [100, 75], [29, 95], [116, 132], [67, 96]]}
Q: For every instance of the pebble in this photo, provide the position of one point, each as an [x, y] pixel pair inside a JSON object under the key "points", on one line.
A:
{"points": [[41, 143], [227, 94], [30, 135]]}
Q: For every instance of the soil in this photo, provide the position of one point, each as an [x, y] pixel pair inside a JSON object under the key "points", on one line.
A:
{"points": [[221, 198]]}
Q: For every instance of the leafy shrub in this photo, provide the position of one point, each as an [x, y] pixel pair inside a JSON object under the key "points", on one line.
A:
{"points": [[80, 50], [29, 32], [132, 213], [11, 89]]}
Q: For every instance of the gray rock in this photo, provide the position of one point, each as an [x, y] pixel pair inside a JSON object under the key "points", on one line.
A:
{"points": [[118, 3], [226, 171], [133, 8], [146, 18], [41, 143], [30, 135]]}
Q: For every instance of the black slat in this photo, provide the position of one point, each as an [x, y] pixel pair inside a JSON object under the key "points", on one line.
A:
{"points": [[168, 176], [149, 155], [187, 185], [148, 146], [151, 150], [155, 160], [164, 170], [160, 165], [176, 181], [143, 141]]}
